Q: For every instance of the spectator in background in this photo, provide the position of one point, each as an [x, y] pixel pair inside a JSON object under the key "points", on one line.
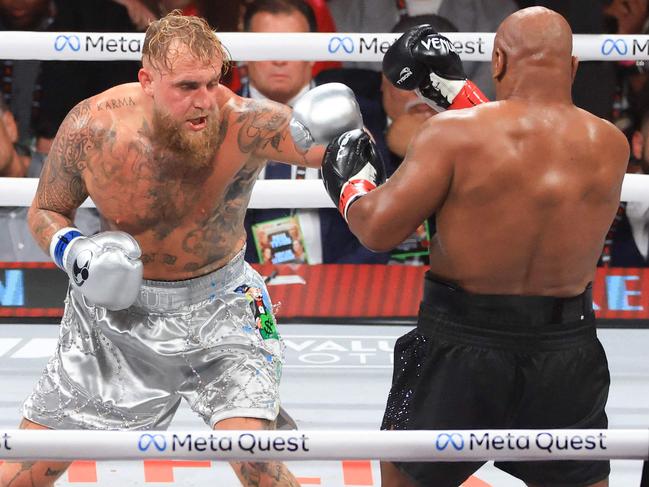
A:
{"points": [[222, 16], [323, 23], [13, 164], [65, 83], [627, 244], [466, 15], [20, 87], [140, 13], [628, 17], [17, 243], [322, 234]]}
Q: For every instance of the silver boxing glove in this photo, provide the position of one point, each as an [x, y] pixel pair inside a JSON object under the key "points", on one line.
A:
{"points": [[105, 268], [324, 113]]}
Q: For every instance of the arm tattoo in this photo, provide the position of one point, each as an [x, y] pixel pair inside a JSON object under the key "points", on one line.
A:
{"points": [[61, 188], [273, 474], [23, 467], [50, 472], [261, 125]]}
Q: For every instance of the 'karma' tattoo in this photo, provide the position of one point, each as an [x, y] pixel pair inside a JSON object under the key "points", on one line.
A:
{"points": [[115, 103]]}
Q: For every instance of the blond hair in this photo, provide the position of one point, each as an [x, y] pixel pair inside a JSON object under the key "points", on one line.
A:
{"points": [[164, 36]]}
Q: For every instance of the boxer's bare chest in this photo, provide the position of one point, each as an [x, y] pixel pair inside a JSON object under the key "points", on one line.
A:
{"points": [[185, 216]]}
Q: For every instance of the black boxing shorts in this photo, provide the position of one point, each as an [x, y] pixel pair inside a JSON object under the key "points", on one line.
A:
{"points": [[500, 362]]}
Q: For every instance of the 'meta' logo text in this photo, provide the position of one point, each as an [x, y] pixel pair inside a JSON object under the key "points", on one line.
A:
{"points": [[618, 46], [245, 442], [100, 43], [543, 441]]}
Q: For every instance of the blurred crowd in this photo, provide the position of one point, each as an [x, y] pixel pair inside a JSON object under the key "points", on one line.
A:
{"points": [[36, 96]]}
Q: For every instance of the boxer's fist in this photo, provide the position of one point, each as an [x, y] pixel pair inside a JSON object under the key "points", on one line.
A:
{"points": [[425, 61], [105, 268], [324, 113], [351, 168]]}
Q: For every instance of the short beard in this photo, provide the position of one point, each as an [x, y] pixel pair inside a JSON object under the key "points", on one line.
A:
{"points": [[195, 150]]}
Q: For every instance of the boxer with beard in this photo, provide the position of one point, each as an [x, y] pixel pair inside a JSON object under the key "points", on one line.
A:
{"points": [[159, 302]]}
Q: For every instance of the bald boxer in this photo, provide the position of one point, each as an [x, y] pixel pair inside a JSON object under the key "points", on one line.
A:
{"points": [[524, 190], [161, 304]]}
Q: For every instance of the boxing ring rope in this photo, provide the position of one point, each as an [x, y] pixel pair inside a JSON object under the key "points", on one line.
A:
{"points": [[448, 446], [457, 445], [307, 193], [472, 46], [247, 46]]}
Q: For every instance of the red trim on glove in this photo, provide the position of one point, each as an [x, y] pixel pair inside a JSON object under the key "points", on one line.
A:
{"points": [[351, 191], [468, 97]]}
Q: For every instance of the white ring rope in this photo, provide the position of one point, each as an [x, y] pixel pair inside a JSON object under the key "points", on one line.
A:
{"points": [[309, 193], [246, 46], [458, 445]]}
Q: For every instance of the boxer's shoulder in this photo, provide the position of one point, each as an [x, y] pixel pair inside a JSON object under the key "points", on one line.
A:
{"points": [[125, 98], [115, 116], [603, 134], [463, 126], [99, 114]]}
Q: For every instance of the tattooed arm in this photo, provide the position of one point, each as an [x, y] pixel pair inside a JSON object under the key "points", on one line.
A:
{"points": [[262, 129], [61, 189]]}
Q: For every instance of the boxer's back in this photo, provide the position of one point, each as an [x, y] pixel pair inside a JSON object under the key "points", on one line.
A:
{"points": [[535, 188]]}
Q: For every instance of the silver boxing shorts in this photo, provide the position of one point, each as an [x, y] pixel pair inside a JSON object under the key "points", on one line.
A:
{"points": [[211, 340]]}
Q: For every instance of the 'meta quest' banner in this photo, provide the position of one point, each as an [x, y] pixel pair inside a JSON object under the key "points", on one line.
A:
{"points": [[323, 291]]}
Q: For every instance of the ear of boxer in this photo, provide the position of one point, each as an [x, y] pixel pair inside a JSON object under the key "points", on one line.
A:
{"points": [[425, 61]]}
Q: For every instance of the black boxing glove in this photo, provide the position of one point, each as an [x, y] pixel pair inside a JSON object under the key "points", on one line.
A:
{"points": [[425, 61], [351, 168]]}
